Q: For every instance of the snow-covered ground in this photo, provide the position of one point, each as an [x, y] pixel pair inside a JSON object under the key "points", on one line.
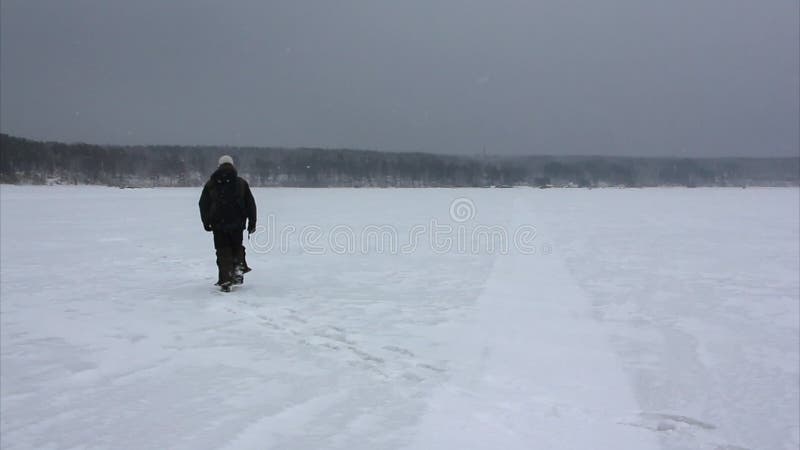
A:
{"points": [[631, 319]]}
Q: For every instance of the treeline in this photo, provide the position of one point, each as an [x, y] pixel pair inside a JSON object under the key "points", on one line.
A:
{"points": [[24, 161]]}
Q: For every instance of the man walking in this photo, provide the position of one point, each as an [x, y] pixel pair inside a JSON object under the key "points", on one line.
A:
{"points": [[225, 205]]}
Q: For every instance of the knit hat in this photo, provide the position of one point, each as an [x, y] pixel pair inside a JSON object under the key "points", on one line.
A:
{"points": [[225, 159]]}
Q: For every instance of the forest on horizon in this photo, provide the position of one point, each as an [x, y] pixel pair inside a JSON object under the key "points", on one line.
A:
{"points": [[24, 161]]}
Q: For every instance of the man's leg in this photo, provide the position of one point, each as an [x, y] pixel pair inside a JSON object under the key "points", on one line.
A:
{"points": [[218, 243], [238, 257], [245, 267], [225, 265], [224, 258]]}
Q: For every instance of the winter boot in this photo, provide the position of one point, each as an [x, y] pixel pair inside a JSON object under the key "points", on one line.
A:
{"points": [[238, 276]]}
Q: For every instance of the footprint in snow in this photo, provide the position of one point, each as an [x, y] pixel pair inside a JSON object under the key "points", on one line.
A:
{"points": [[395, 349], [668, 422]]}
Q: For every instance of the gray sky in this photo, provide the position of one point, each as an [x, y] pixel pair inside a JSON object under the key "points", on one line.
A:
{"points": [[618, 77]]}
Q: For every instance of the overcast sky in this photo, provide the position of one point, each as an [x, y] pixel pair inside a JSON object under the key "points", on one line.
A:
{"points": [[618, 77]]}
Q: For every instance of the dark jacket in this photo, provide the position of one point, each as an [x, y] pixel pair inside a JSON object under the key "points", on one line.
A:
{"points": [[226, 202]]}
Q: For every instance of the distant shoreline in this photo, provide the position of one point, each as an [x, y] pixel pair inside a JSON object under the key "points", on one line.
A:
{"points": [[28, 162]]}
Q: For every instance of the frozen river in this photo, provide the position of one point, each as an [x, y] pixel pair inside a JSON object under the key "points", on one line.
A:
{"points": [[392, 318]]}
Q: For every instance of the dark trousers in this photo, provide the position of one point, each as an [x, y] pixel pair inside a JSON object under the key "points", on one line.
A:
{"points": [[230, 255]]}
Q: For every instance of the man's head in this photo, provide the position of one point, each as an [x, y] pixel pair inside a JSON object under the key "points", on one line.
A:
{"points": [[225, 159]]}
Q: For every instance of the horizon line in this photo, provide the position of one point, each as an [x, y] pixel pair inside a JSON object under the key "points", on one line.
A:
{"points": [[476, 154]]}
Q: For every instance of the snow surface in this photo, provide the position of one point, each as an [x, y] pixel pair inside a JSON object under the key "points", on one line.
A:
{"points": [[656, 318]]}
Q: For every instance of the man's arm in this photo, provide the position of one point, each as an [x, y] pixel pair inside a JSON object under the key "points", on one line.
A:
{"points": [[204, 203], [250, 208]]}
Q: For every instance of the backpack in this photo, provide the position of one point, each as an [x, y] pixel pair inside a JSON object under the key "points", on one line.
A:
{"points": [[227, 201]]}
